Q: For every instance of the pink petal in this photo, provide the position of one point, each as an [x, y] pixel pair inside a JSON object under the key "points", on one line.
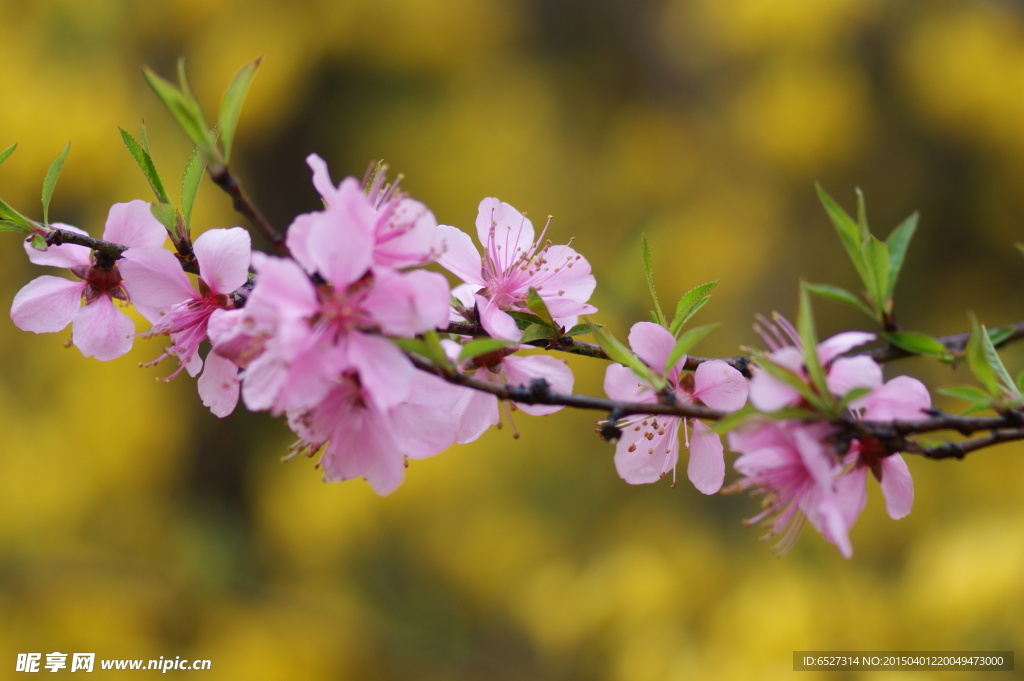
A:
{"points": [[850, 373], [572, 279], [223, 256], [406, 235], [341, 240], [132, 224], [385, 373], [405, 304], [47, 304], [652, 343], [720, 386], [64, 255], [219, 386], [523, 370], [620, 383], [496, 322], [513, 232], [322, 178], [901, 399], [649, 460], [478, 411], [153, 278], [832, 347], [897, 486], [768, 393], [362, 446], [102, 331], [459, 256], [706, 468]]}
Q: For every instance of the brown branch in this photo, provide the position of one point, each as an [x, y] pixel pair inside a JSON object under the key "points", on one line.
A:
{"points": [[57, 236], [223, 178]]}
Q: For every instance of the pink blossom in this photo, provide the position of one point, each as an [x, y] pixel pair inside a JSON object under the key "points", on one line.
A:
{"points": [[48, 304], [800, 477], [358, 439], [843, 374], [649, 446], [403, 232], [155, 280], [901, 399], [512, 264], [327, 311], [480, 410]]}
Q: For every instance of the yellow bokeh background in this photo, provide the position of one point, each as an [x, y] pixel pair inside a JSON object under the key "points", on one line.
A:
{"points": [[137, 525]]}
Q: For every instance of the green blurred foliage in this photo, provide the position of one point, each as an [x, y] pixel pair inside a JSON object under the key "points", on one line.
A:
{"points": [[138, 525]]}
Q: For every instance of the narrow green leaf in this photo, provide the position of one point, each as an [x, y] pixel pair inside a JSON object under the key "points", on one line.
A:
{"points": [[524, 319], [898, 241], [145, 162], [849, 397], [659, 317], [538, 307], [809, 340], [38, 242], [582, 329], [862, 216], [618, 352], [967, 393], [877, 257], [482, 346], [688, 341], [413, 345], [791, 379], [165, 215], [731, 421], [689, 304], [985, 364], [194, 171], [999, 334], [231, 105], [537, 332], [8, 213], [841, 295], [435, 351], [1020, 380], [8, 226], [849, 234], [5, 154], [50, 181], [185, 109], [917, 343]]}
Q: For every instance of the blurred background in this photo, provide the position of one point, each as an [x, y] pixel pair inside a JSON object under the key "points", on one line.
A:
{"points": [[137, 525]]}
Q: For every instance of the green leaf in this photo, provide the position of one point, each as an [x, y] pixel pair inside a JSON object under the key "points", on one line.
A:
{"points": [[8, 226], [659, 316], [730, 421], [194, 171], [809, 340], [687, 342], [785, 375], [145, 161], [967, 393], [985, 364], [50, 181], [854, 394], [999, 334], [877, 256], [897, 242], [917, 343], [435, 351], [38, 242], [537, 332], [5, 154], [618, 352], [482, 346], [185, 109], [850, 234], [692, 300], [538, 307], [12, 216], [231, 105], [524, 319], [841, 295], [582, 329], [165, 215], [413, 345]]}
